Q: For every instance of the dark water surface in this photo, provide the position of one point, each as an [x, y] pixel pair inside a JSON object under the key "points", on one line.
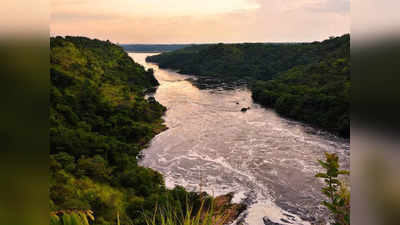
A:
{"points": [[268, 161]]}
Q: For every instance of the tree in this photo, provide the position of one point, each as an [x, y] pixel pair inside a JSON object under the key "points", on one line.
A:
{"points": [[336, 191]]}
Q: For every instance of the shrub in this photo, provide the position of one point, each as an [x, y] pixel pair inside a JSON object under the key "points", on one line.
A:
{"points": [[336, 191]]}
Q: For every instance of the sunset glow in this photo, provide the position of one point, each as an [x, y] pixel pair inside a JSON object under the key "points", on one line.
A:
{"points": [[193, 21]]}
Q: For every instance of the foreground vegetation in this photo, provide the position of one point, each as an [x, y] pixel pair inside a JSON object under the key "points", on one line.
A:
{"points": [[99, 122], [304, 81], [335, 189], [205, 215], [208, 211]]}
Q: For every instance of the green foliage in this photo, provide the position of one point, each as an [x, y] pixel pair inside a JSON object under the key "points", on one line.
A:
{"points": [[248, 60], [318, 94], [309, 82], [71, 217], [99, 122], [203, 214], [335, 190]]}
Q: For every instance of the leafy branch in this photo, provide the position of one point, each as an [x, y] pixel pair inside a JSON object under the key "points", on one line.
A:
{"points": [[71, 217], [336, 191]]}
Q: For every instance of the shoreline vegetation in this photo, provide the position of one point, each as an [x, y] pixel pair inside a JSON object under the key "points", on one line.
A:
{"points": [[99, 123], [308, 82]]}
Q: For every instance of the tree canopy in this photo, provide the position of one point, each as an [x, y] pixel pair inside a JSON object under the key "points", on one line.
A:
{"points": [[99, 122], [309, 82]]}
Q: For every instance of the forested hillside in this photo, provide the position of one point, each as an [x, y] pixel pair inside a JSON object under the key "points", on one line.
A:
{"points": [[304, 81], [317, 93], [99, 122]]}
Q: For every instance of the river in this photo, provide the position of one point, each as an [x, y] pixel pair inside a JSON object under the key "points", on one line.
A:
{"points": [[269, 162]]}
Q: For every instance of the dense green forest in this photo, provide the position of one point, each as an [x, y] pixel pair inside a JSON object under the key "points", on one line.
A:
{"points": [[99, 122], [304, 81]]}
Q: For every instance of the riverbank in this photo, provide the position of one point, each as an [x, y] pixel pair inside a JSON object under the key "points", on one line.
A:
{"points": [[308, 82], [268, 161], [100, 121]]}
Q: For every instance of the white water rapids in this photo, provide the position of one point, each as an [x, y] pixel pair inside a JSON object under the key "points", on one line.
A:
{"points": [[267, 160]]}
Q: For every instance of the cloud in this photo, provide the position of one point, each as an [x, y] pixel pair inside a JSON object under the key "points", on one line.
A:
{"points": [[335, 6], [157, 7], [313, 6], [55, 3], [80, 17], [146, 22]]}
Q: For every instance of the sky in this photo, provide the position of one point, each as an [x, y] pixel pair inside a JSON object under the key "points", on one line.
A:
{"points": [[201, 21]]}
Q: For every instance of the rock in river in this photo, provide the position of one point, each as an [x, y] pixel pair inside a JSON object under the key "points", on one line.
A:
{"points": [[245, 109]]}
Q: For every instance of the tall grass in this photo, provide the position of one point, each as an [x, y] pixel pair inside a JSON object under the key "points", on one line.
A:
{"points": [[71, 217], [177, 215]]}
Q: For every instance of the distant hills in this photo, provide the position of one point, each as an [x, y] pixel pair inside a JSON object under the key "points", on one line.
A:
{"points": [[170, 47], [153, 47]]}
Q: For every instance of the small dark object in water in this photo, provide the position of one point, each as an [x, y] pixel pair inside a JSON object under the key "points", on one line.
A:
{"points": [[245, 109]]}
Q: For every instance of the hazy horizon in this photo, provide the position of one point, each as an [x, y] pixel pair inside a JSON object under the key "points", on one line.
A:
{"points": [[207, 21], [207, 43], [191, 43], [204, 43]]}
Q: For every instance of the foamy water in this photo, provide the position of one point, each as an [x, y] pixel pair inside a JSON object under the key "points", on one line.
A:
{"points": [[268, 161]]}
